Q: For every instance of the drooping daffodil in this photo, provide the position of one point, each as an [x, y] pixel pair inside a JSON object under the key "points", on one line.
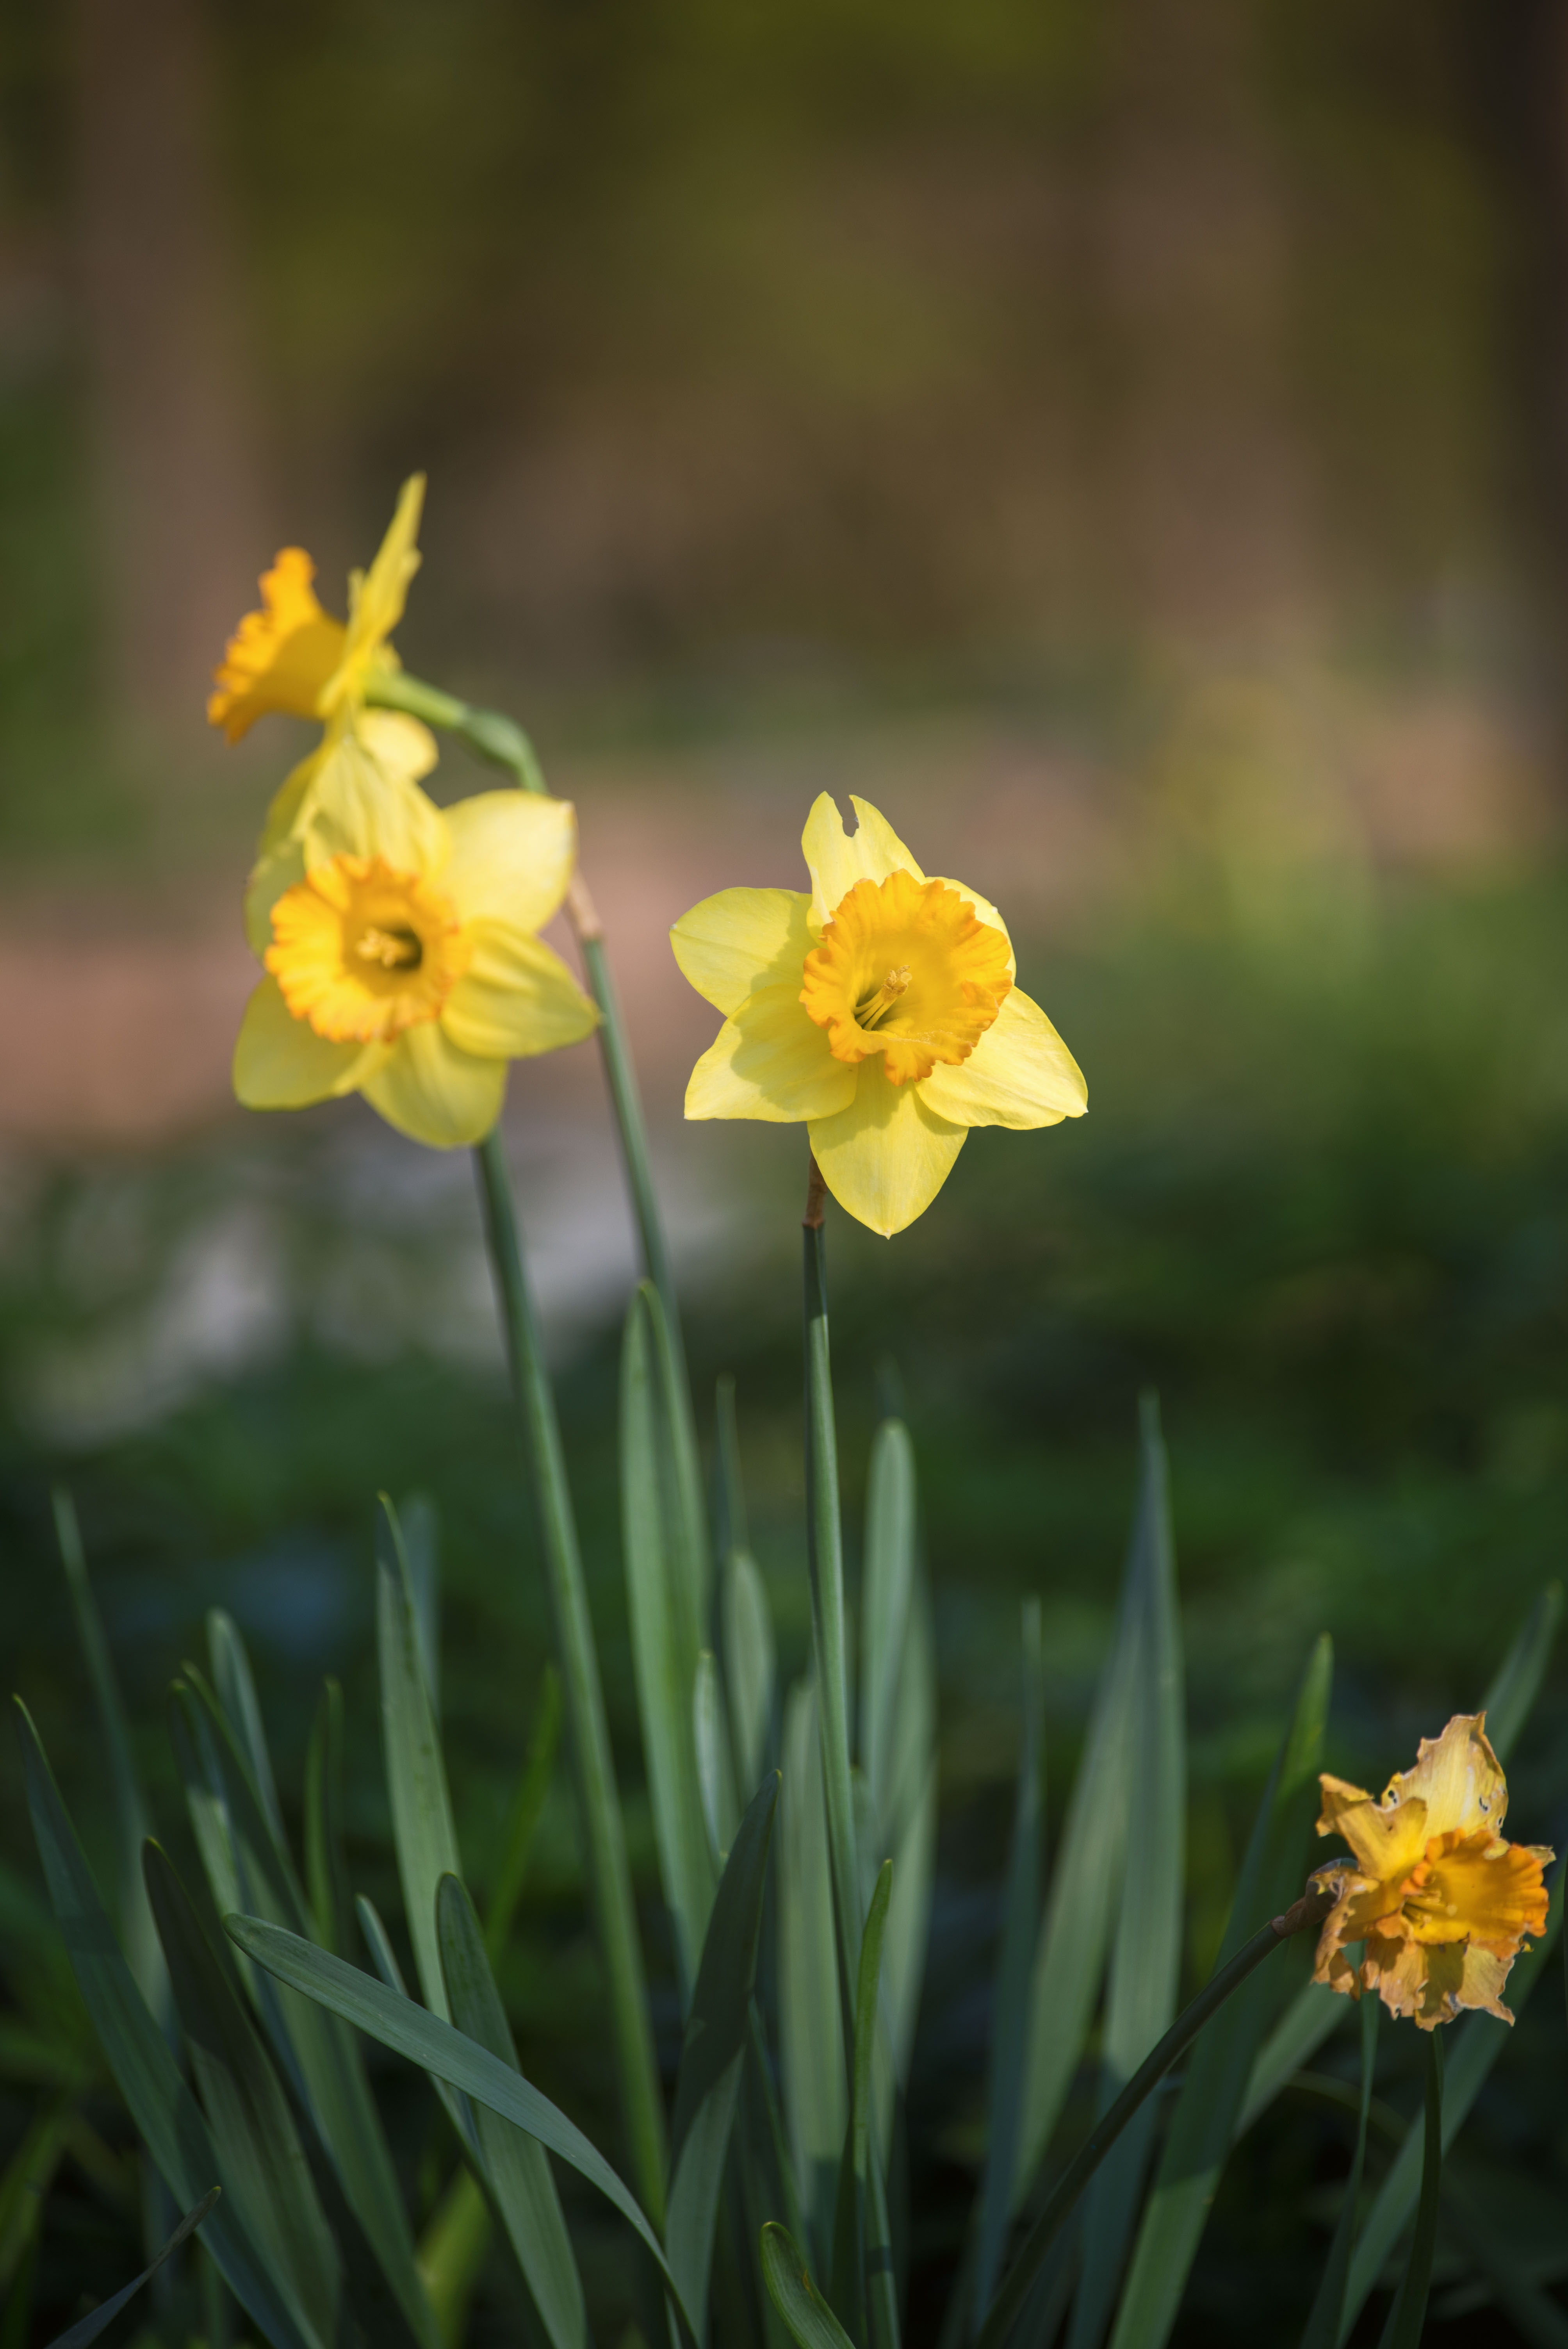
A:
{"points": [[399, 943], [1440, 1903], [880, 1009], [293, 657]]}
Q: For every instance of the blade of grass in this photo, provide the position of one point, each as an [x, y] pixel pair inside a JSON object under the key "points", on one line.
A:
{"points": [[886, 1596], [909, 1839], [1202, 2124], [731, 1531], [716, 2032], [424, 1836], [1510, 1701], [135, 1918], [715, 1779], [527, 1807], [1408, 2317], [164, 2110], [848, 2284], [316, 2051], [750, 1670], [236, 1690], [1012, 2298], [261, 2159], [384, 1958], [810, 2321], [824, 1548], [815, 2080], [326, 1875], [412, 2032], [1478, 2043], [609, 1872], [1070, 1955], [103, 2316], [1010, 2018], [452, 2252], [661, 1602], [1146, 1954], [516, 2167], [421, 1531], [1327, 2319]]}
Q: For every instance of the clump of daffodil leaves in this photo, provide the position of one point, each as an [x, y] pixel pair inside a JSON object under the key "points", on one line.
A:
{"points": [[400, 941], [879, 1009]]}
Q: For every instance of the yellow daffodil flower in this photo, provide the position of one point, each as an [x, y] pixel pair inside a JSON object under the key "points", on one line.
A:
{"points": [[399, 942], [293, 657], [1439, 1900], [880, 1009]]}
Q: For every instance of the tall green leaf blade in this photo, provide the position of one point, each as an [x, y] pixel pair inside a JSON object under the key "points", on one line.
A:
{"points": [[1204, 2119], [715, 1777], [162, 2107], [325, 2056], [527, 1807], [424, 2039], [423, 1834], [666, 1628], [384, 1958], [810, 2321], [100, 2318], [142, 1945], [326, 1874], [716, 2032], [420, 1528], [1146, 1956], [886, 1595], [811, 2034], [1071, 1956], [1510, 1701], [1010, 2018], [908, 1838], [263, 2162], [751, 1666], [236, 1688], [731, 1531], [515, 2166], [849, 2276]]}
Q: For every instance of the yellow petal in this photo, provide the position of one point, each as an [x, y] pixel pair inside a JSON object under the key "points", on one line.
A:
{"points": [[744, 938], [376, 598], [1459, 1778], [886, 1156], [1020, 1074], [769, 1062], [435, 1092], [358, 807], [838, 859], [516, 997], [1387, 1838], [280, 1062], [272, 876], [511, 857], [404, 745]]}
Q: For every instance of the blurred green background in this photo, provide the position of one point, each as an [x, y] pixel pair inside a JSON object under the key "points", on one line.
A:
{"points": [[1126, 442]]}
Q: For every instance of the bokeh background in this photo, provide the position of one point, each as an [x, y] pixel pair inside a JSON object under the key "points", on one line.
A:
{"points": [[1128, 443]]}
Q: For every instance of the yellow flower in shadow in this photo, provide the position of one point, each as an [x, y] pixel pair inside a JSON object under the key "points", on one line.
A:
{"points": [[879, 1009], [1439, 1901], [400, 951], [293, 657]]}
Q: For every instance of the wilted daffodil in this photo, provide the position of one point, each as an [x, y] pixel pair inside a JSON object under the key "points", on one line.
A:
{"points": [[293, 657], [1439, 1901], [879, 1009], [401, 958]]}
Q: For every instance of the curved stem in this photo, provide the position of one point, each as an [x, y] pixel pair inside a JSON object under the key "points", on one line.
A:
{"points": [[1008, 2305], [609, 1873]]}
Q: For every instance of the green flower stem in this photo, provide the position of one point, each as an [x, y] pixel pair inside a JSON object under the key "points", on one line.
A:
{"points": [[609, 1874], [824, 1546], [503, 743], [1005, 2309]]}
